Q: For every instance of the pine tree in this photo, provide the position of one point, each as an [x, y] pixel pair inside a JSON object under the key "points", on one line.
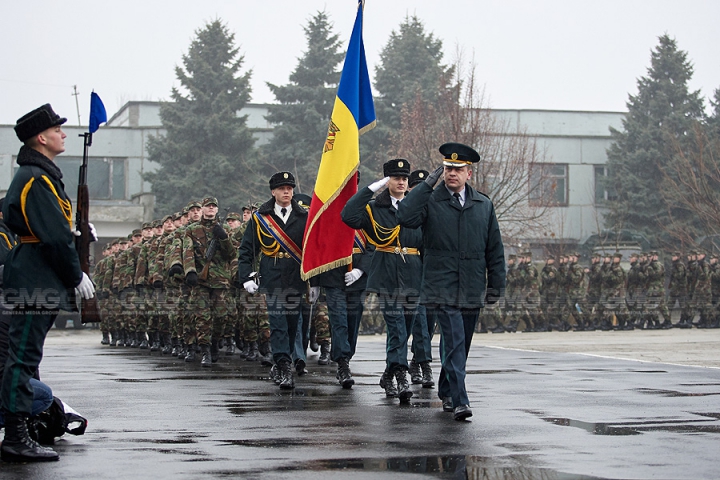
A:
{"points": [[410, 65], [660, 120], [304, 106], [207, 148]]}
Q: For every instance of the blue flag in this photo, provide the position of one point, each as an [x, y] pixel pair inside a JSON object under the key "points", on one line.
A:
{"points": [[98, 114]]}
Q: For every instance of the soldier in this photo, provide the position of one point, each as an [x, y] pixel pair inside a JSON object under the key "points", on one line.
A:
{"points": [[678, 290], [126, 267], [275, 233], [210, 298], [613, 295], [655, 293], [550, 284], [530, 280], [715, 292], [396, 268], [186, 317], [576, 291], [702, 290], [635, 299], [463, 262], [594, 291], [39, 212], [510, 317], [7, 237]]}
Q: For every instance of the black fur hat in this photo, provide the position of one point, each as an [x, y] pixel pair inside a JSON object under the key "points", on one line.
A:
{"points": [[280, 179], [37, 121]]}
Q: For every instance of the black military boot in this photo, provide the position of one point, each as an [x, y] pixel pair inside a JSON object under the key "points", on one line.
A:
{"points": [[254, 353], [387, 383], [324, 358], [404, 392], [143, 345], [17, 446], [265, 356], [313, 340], [343, 375], [300, 367], [113, 338], [214, 351], [167, 343], [182, 351], [244, 349], [286, 375], [155, 341], [126, 337], [415, 373], [230, 347], [190, 355], [206, 360], [105, 339], [427, 378]]}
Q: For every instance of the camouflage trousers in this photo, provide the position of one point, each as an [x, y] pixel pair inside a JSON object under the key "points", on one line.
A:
{"points": [[254, 324], [320, 322], [213, 312], [103, 305]]}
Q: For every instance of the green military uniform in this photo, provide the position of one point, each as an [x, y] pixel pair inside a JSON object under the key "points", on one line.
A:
{"points": [[592, 306], [701, 291], [655, 294], [550, 285], [576, 291], [613, 296], [512, 295], [678, 291]]}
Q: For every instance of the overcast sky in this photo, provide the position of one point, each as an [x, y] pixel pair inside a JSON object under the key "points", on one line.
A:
{"points": [[530, 54]]}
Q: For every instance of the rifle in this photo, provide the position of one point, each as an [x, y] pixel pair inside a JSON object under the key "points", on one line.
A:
{"points": [[89, 311], [212, 248]]}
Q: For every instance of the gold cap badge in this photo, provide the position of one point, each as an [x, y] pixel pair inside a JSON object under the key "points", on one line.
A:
{"points": [[400, 164], [285, 175]]}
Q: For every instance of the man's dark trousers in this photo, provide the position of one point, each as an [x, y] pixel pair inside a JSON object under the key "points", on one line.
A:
{"points": [[26, 337], [456, 328]]}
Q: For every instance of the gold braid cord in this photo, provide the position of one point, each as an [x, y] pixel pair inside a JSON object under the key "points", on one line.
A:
{"points": [[268, 249], [385, 236]]}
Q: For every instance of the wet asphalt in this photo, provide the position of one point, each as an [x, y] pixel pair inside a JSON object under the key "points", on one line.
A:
{"points": [[537, 415]]}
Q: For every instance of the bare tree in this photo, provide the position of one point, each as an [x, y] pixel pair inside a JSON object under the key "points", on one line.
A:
{"points": [[691, 188], [508, 153]]}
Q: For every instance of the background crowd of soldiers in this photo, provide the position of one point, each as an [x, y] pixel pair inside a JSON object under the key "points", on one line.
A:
{"points": [[563, 295]]}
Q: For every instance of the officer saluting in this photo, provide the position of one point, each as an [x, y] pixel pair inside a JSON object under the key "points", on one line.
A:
{"points": [[43, 271], [463, 262]]}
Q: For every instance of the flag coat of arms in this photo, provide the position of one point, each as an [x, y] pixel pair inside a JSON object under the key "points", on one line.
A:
{"points": [[328, 242]]}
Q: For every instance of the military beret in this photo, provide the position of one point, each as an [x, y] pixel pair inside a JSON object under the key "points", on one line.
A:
{"points": [[458, 155], [398, 167], [281, 179], [210, 201], [234, 216], [193, 203], [37, 121], [417, 176]]}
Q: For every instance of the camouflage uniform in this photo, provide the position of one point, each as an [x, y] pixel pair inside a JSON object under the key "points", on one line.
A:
{"points": [[613, 297], [210, 299], [103, 294], [678, 289], [635, 294], [715, 290], [530, 294], [512, 292], [550, 277], [701, 291], [592, 307], [576, 291], [562, 295], [655, 294]]}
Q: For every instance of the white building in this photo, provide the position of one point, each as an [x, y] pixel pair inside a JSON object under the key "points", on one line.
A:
{"points": [[575, 145]]}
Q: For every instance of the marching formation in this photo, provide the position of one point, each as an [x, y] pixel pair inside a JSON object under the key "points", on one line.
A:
{"points": [[603, 296]]}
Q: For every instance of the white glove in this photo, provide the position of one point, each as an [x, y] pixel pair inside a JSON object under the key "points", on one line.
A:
{"points": [[374, 187], [85, 288], [250, 286], [314, 294], [352, 276], [91, 229]]}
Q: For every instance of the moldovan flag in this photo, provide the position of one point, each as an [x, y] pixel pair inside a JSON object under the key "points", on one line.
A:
{"points": [[328, 242]]}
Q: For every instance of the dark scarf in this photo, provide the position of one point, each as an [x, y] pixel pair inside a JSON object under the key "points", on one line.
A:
{"points": [[31, 157]]}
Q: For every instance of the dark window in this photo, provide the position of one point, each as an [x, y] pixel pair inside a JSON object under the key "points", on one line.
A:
{"points": [[106, 176], [604, 192], [548, 184]]}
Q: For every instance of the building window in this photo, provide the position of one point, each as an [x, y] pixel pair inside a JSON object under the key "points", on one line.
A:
{"points": [[604, 192], [106, 177], [548, 184]]}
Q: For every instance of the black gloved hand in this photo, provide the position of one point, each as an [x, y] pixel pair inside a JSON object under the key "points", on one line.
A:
{"points": [[492, 296], [192, 279], [114, 290], [435, 176], [219, 232], [157, 284], [175, 270]]}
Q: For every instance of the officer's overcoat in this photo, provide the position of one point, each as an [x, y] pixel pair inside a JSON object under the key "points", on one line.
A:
{"points": [[44, 268], [463, 249], [390, 273]]}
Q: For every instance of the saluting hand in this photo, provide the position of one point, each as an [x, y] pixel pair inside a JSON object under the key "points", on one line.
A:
{"points": [[435, 176], [374, 187]]}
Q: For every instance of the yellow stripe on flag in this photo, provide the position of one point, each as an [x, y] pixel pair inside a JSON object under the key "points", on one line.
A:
{"points": [[339, 163]]}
